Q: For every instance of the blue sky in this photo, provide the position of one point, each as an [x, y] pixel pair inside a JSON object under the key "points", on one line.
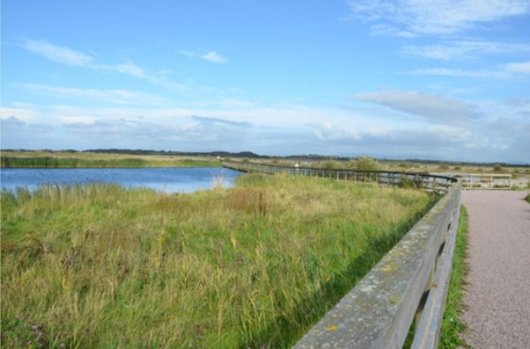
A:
{"points": [[444, 79]]}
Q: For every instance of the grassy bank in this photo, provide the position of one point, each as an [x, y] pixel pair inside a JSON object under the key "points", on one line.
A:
{"points": [[452, 325], [98, 160], [250, 267]]}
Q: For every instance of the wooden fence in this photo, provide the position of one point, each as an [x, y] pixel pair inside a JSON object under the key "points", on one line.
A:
{"points": [[484, 180], [409, 283], [429, 182]]}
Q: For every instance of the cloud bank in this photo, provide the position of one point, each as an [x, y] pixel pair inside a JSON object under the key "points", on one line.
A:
{"points": [[437, 109], [388, 123]]}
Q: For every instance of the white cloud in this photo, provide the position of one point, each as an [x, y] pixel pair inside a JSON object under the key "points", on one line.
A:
{"points": [[436, 108], [133, 70], [109, 96], [130, 69], [385, 29], [68, 56], [437, 17], [206, 120], [521, 67], [24, 113], [58, 54], [214, 57], [211, 56], [509, 70], [499, 135], [462, 73], [328, 131], [428, 142], [464, 49]]}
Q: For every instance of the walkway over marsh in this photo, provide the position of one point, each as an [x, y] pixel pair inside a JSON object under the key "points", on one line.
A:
{"points": [[498, 294]]}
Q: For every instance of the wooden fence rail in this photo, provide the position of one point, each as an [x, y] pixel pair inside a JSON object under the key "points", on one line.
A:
{"points": [[484, 181], [409, 283]]}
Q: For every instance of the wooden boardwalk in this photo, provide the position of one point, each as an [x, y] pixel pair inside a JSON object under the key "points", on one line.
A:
{"points": [[498, 294]]}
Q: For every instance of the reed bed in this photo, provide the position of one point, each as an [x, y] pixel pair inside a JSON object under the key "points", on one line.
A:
{"points": [[41, 159], [254, 266]]}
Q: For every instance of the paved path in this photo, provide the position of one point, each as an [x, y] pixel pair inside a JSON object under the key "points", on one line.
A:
{"points": [[498, 294]]}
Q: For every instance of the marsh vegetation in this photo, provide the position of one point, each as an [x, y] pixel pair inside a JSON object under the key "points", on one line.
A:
{"points": [[249, 267], [42, 159]]}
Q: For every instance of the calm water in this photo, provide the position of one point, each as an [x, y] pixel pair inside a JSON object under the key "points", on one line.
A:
{"points": [[169, 180]]}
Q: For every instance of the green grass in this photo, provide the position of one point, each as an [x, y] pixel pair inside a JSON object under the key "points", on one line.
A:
{"points": [[250, 267], [527, 198], [452, 324]]}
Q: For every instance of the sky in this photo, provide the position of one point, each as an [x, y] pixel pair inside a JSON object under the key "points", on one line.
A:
{"points": [[399, 79]]}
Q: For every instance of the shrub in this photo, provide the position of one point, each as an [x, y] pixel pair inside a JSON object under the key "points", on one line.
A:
{"points": [[366, 163], [330, 165]]}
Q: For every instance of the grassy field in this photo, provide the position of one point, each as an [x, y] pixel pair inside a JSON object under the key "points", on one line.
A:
{"points": [[249, 267], [41, 159]]}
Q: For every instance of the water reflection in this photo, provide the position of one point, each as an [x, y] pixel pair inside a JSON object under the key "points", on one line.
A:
{"points": [[168, 180]]}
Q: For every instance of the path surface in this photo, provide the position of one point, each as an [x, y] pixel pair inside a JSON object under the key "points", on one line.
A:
{"points": [[498, 294]]}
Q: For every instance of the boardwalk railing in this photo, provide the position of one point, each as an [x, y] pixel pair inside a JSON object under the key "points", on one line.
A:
{"points": [[484, 180], [409, 283], [430, 182]]}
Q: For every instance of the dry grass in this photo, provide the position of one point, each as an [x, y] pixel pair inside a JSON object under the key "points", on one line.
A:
{"points": [[254, 266]]}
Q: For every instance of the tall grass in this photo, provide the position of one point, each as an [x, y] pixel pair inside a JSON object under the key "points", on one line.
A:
{"points": [[52, 162], [82, 160], [250, 267]]}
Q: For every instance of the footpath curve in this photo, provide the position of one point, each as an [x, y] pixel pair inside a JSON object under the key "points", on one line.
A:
{"points": [[498, 291]]}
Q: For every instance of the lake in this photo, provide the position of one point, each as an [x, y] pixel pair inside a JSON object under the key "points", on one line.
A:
{"points": [[168, 180]]}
